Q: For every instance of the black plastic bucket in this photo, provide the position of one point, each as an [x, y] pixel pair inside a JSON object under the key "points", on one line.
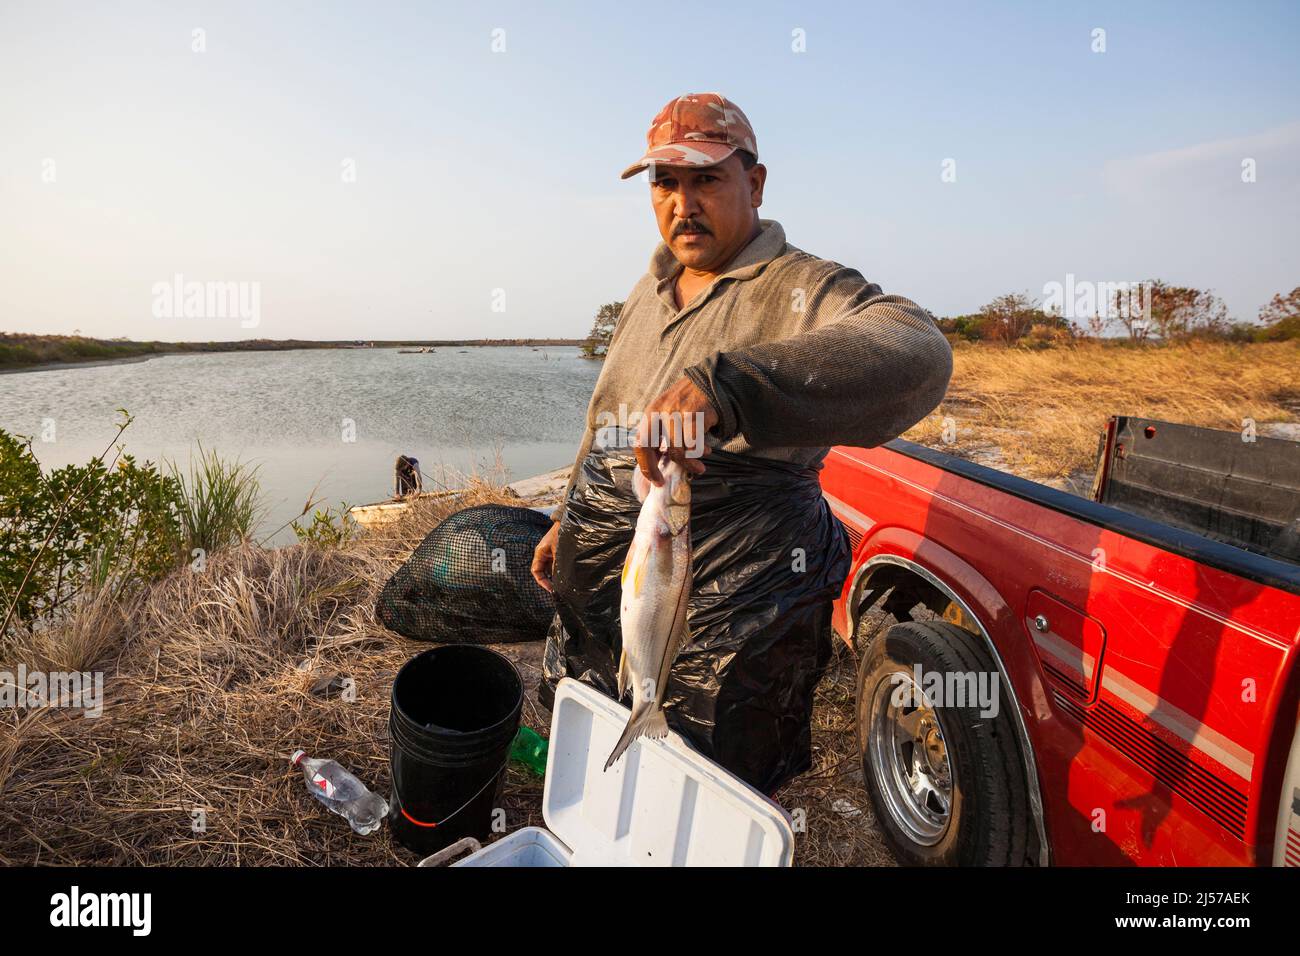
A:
{"points": [[455, 712]]}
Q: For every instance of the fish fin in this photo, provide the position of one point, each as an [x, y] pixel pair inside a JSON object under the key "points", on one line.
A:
{"points": [[622, 675], [648, 722], [656, 725], [679, 489], [632, 569], [678, 518]]}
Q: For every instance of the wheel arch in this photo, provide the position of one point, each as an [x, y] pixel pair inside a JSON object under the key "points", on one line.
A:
{"points": [[904, 575]]}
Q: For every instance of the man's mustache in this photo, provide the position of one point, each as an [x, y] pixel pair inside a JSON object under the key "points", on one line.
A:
{"points": [[689, 225]]}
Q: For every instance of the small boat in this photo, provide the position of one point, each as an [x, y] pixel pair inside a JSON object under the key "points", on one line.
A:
{"points": [[544, 487], [381, 512]]}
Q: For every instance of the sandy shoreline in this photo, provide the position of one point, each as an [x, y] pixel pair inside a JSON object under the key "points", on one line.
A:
{"points": [[51, 366]]}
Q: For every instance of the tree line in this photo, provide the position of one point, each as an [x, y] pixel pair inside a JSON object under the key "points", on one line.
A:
{"points": [[1157, 312], [1149, 311]]}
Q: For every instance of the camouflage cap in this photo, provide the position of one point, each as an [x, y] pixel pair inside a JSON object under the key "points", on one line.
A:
{"points": [[698, 129]]}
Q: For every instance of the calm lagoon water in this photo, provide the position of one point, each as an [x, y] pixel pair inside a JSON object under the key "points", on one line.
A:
{"points": [[288, 413]]}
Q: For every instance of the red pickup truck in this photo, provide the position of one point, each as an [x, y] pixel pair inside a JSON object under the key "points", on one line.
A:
{"points": [[1069, 680]]}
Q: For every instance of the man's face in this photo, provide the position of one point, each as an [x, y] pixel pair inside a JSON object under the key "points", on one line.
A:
{"points": [[706, 213]]}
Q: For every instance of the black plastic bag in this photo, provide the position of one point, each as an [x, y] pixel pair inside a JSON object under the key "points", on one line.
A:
{"points": [[769, 557], [469, 581]]}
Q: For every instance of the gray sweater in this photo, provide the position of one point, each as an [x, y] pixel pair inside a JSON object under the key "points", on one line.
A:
{"points": [[796, 354]]}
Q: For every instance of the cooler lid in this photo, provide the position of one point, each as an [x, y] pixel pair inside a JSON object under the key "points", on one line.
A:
{"points": [[662, 804]]}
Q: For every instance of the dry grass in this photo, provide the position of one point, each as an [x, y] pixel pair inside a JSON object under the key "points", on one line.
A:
{"points": [[1039, 412], [208, 679], [207, 691]]}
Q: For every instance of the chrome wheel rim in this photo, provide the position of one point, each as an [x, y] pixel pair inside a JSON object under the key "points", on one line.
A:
{"points": [[908, 755]]}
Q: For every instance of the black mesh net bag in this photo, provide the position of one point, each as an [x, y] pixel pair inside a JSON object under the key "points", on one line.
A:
{"points": [[469, 581]]}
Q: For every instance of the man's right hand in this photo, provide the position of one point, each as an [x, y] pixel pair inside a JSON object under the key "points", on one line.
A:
{"points": [[679, 418], [544, 557]]}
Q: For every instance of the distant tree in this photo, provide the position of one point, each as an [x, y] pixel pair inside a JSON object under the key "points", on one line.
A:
{"points": [[1281, 307], [1280, 318], [1178, 312], [602, 330], [1008, 318], [968, 327], [1135, 320], [1097, 325]]}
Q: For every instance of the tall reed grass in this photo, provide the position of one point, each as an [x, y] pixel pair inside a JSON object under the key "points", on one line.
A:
{"points": [[218, 501]]}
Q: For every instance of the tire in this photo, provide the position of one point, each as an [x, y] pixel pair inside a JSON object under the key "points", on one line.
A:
{"points": [[947, 783]]}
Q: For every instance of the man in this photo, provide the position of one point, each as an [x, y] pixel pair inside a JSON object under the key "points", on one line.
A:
{"points": [[735, 341]]}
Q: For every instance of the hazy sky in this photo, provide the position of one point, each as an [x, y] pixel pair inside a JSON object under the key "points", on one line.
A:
{"points": [[126, 157]]}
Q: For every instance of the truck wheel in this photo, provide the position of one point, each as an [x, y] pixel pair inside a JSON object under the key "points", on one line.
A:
{"points": [[947, 784]]}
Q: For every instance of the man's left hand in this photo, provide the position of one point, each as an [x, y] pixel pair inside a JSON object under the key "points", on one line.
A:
{"points": [[681, 416]]}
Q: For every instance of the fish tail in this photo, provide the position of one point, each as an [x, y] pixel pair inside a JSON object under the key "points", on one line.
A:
{"points": [[650, 723]]}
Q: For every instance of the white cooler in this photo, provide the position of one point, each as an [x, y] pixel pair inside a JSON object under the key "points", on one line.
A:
{"points": [[662, 804]]}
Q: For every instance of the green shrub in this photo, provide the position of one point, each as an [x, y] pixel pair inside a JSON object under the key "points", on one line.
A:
{"points": [[971, 327], [79, 527], [1283, 330], [18, 355], [83, 528], [326, 530]]}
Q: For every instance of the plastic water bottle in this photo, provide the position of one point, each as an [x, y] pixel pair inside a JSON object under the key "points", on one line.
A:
{"points": [[343, 793]]}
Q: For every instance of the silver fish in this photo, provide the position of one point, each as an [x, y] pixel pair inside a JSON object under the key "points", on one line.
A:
{"points": [[656, 586]]}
